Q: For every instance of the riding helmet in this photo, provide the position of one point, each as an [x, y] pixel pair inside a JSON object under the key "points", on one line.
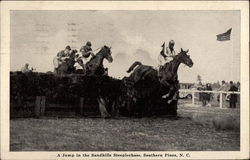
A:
{"points": [[68, 47], [172, 42], [88, 43]]}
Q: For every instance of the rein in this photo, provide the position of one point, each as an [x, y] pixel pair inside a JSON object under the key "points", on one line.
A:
{"points": [[97, 49]]}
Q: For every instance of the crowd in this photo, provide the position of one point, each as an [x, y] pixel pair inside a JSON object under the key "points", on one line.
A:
{"points": [[205, 97]]}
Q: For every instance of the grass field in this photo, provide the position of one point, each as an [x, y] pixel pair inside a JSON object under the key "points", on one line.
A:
{"points": [[196, 129]]}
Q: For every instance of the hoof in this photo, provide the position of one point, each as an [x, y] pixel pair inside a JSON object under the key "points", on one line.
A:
{"points": [[169, 101], [165, 96]]}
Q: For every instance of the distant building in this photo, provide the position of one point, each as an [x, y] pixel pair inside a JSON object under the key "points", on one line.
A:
{"points": [[186, 85]]}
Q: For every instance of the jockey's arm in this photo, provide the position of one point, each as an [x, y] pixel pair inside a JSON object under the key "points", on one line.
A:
{"points": [[92, 54], [59, 56], [168, 54], [163, 55]]}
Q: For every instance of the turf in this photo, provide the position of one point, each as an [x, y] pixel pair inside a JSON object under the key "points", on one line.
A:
{"points": [[126, 134]]}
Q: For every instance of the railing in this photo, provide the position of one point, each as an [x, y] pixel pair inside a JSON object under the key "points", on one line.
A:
{"points": [[193, 91]]}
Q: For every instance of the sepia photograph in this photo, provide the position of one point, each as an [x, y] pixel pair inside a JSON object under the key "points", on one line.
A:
{"points": [[121, 83]]}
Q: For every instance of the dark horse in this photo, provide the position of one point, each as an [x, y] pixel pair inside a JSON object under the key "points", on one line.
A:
{"points": [[68, 65], [167, 74], [144, 87], [95, 64]]}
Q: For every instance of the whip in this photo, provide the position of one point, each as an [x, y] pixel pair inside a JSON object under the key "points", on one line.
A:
{"points": [[97, 49]]}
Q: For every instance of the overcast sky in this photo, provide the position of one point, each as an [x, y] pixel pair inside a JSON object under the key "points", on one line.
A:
{"points": [[37, 36]]}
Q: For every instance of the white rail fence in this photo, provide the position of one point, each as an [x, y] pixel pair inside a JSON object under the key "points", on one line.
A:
{"points": [[192, 91]]}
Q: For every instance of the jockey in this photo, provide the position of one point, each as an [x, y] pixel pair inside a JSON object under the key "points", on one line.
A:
{"points": [[86, 52], [60, 57], [168, 55], [64, 53]]}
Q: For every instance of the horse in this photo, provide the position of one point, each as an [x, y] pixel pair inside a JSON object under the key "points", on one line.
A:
{"points": [[167, 74], [95, 65], [67, 65], [145, 88]]}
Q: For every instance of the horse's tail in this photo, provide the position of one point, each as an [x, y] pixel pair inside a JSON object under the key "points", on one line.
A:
{"points": [[131, 68]]}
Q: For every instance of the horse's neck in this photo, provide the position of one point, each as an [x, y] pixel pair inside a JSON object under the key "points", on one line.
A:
{"points": [[173, 66], [99, 59], [176, 64], [171, 71]]}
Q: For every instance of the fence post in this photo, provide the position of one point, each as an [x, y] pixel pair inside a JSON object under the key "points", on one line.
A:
{"points": [[221, 99], [43, 101], [192, 97], [37, 106], [81, 105]]}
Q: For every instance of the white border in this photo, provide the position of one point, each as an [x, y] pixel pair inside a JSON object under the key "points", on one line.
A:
{"points": [[124, 5]]}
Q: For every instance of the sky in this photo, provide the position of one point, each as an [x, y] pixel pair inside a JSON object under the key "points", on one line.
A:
{"points": [[37, 36]]}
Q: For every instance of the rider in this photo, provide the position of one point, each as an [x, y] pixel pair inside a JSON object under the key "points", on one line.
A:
{"points": [[170, 53], [87, 51], [166, 57], [61, 56], [64, 53]]}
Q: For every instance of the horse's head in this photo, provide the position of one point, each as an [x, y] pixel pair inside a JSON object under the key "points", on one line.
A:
{"points": [[184, 58], [106, 51], [72, 54]]}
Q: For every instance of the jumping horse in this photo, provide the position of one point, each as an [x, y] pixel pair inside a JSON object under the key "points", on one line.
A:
{"points": [[167, 74], [67, 66], [158, 84], [95, 65]]}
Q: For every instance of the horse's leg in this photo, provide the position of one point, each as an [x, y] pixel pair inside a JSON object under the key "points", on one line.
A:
{"points": [[166, 85], [174, 96], [114, 109], [84, 68], [58, 70], [102, 107]]}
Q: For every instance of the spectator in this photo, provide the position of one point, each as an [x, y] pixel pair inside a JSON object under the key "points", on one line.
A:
{"points": [[223, 87], [199, 88], [232, 97], [238, 97], [208, 95], [203, 95], [25, 68], [238, 86]]}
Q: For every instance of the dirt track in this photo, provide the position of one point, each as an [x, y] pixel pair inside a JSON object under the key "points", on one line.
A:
{"points": [[123, 134]]}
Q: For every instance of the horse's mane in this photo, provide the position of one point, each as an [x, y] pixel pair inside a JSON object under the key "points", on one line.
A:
{"points": [[97, 54], [170, 64], [93, 57]]}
